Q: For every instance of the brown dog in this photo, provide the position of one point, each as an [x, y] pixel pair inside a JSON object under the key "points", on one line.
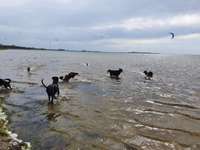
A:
{"points": [[69, 76]]}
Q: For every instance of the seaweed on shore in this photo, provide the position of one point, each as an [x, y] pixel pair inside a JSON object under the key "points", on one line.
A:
{"points": [[9, 140]]}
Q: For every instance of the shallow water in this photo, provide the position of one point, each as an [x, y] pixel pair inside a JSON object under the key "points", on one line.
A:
{"points": [[96, 112]]}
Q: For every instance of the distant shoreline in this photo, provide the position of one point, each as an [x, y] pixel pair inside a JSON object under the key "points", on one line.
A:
{"points": [[5, 47], [2, 46]]}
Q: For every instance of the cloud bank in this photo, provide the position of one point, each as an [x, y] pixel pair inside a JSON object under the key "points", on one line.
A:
{"points": [[106, 25]]}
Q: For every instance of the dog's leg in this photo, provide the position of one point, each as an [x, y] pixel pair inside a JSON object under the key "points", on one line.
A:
{"points": [[58, 92], [5, 86], [52, 99], [49, 98], [9, 86]]}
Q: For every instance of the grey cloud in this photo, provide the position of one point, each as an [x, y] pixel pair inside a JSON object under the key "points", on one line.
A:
{"points": [[50, 13], [69, 25]]}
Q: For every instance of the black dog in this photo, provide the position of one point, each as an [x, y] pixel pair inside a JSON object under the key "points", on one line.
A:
{"points": [[52, 89], [149, 75], [5, 83], [55, 79], [69, 76], [115, 73], [28, 69]]}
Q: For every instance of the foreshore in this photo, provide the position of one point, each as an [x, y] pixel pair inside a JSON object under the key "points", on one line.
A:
{"points": [[9, 140]]}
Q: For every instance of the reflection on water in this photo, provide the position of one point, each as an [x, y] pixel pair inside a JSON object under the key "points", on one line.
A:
{"points": [[96, 112]]}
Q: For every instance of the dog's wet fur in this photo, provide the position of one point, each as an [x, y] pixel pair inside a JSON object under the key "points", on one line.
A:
{"points": [[69, 76], [52, 89], [148, 75], [5, 83], [115, 73]]}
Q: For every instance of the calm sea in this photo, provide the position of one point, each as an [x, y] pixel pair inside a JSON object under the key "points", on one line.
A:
{"points": [[95, 112]]}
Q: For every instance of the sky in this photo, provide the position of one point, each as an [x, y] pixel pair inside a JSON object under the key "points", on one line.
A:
{"points": [[103, 25]]}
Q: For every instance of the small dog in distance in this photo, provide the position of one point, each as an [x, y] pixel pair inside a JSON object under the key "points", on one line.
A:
{"points": [[148, 75], [5, 83], [28, 69], [115, 73]]}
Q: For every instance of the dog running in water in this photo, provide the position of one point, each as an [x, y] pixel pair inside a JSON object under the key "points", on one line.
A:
{"points": [[148, 75], [69, 76], [5, 83], [115, 73], [52, 89]]}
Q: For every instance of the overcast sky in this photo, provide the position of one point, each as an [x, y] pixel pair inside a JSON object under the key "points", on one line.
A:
{"points": [[104, 25]]}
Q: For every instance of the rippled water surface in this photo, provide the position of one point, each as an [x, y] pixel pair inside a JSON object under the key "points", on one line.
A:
{"points": [[96, 112]]}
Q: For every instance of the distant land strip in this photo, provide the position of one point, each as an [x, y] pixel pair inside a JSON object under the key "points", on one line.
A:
{"points": [[4, 47]]}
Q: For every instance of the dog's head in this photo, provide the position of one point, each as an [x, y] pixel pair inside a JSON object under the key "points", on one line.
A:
{"points": [[7, 80], [145, 72], [61, 77], [120, 70], [73, 74], [108, 70], [55, 79]]}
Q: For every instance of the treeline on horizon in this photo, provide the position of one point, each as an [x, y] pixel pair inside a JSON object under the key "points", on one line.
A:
{"points": [[3, 46]]}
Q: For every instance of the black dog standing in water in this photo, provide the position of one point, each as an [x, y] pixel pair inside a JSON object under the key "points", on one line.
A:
{"points": [[5, 83], [148, 75], [52, 89], [115, 73], [28, 69], [69, 76]]}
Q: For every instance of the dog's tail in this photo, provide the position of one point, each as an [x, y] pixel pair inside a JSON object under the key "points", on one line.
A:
{"points": [[43, 83], [9, 80]]}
